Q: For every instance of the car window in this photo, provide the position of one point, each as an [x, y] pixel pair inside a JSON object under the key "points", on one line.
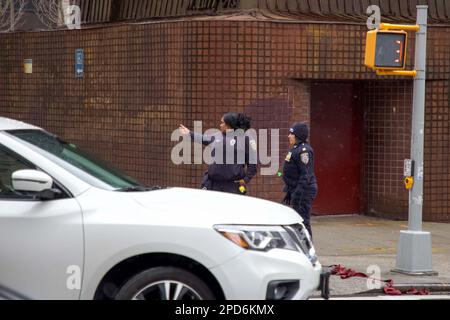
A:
{"points": [[8, 165], [83, 165], [11, 162]]}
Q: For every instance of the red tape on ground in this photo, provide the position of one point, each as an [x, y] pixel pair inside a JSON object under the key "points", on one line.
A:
{"points": [[388, 289]]}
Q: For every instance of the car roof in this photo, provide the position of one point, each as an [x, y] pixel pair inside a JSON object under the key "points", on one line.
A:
{"points": [[11, 124]]}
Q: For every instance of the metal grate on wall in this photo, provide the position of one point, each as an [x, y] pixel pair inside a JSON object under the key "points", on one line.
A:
{"points": [[99, 11]]}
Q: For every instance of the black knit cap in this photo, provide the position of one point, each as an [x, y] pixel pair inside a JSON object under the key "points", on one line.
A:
{"points": [[300, 130]]}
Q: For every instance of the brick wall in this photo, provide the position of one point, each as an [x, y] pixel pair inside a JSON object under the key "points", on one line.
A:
{"points": [[437, 151], [142, 80], [387, 127]]}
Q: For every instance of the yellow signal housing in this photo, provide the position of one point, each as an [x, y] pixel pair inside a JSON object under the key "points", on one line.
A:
{"points": [[386, 49], [409, 181]]}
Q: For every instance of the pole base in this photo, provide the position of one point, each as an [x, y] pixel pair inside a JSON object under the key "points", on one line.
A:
{"points": [[429, 273], [414, 253]]}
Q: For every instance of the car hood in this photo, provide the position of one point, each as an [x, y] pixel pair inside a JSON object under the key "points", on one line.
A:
{"points": [[200, 207]]}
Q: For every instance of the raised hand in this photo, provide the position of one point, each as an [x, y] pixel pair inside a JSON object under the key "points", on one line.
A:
{"points": [[184, 130]]}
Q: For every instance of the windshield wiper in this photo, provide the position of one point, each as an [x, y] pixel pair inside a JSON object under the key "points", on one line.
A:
{"points": [[138, 189], [133, 189]]}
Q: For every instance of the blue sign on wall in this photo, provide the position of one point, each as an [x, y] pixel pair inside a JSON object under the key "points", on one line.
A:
{"points": [[79, 63]]}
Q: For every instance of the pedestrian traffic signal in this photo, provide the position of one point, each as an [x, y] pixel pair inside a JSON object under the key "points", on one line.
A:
{"points": [[386, 49]]}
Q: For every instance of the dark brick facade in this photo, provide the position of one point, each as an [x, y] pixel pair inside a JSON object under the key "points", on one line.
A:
{"points": [[387, 123], [142, 80]]}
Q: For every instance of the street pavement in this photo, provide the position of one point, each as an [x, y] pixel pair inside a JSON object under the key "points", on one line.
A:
{"points": [[358, 242]]}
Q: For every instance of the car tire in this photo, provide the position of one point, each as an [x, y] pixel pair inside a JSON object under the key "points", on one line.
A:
{"points": [[155, 283]]}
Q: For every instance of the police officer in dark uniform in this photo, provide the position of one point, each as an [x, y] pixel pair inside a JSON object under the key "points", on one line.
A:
{"points": [[298, 173], [237, 165]]}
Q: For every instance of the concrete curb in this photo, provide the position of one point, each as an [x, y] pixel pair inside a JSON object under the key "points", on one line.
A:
{"points": [[431, 287], [427, 286]]}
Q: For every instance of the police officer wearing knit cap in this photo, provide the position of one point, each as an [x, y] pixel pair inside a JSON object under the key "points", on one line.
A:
{"points": [[298, 173]]}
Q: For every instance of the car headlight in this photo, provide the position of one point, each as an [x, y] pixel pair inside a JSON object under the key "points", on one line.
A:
{"points": [[262, 238]]}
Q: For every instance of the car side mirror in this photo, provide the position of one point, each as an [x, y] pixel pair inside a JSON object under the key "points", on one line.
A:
{"points": [[31, 181]]}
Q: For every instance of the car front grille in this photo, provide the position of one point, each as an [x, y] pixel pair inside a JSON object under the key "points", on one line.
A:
{"points": [[302, 240]]}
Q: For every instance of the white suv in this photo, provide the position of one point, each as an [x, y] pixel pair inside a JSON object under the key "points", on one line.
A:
{"points": [[72, 227]]}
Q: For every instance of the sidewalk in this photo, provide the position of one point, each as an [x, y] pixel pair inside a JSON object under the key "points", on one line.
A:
{"points": [[358, 241]]}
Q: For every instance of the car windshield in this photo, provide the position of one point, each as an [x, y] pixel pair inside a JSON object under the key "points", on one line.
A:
{"points": [[81, 164]]}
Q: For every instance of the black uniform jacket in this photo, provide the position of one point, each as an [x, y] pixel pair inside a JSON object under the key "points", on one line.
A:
{"points": [[298, 171], [235, 156]]}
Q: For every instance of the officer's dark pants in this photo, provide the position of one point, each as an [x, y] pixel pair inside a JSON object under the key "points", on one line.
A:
{"points": [[303, 207], [225, 186]]}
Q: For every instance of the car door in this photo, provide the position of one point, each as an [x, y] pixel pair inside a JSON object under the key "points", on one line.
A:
{"points": [[41, 242]]}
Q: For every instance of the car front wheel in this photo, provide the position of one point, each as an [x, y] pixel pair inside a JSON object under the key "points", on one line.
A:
{"points": [[165, 283]]}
